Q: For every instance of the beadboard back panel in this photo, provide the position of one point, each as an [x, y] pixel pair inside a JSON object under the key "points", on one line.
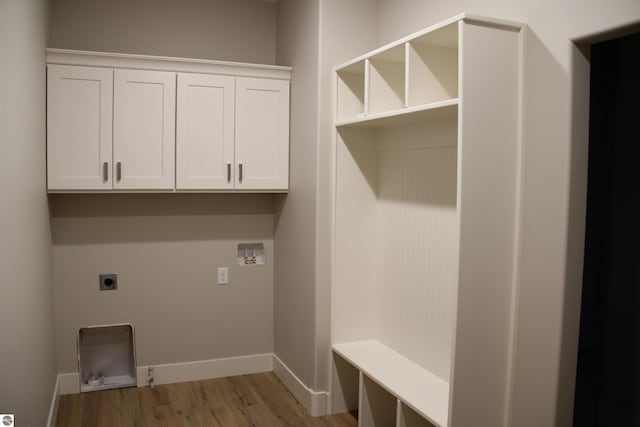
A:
{"points": [[417, 252], [397, 223]]}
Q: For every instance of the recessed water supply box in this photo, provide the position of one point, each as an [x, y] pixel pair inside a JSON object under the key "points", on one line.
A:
{"points": [[106, 357], [251, 254]]}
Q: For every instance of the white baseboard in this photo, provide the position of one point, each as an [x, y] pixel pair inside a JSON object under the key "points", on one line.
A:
{"points": [[55, 404], [69, 383], [314, 402], [206, 369], [188, 371]]}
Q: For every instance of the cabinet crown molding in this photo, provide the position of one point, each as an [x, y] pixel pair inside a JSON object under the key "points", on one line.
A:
{"points": [[165, 63]]}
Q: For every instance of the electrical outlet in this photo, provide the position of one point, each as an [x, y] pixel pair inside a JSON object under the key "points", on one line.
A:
{"points": [[109, 282], [223, 275]]}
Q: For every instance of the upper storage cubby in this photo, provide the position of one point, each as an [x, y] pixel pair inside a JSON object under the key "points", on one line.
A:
{"points": [[408, 80], [387, 80], [351, 91], [432, 67]]}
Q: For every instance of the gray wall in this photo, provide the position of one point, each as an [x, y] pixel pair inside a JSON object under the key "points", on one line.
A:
{"points": [[226, 30], [295, 233], [165, 248], [27, 353], [313, 37], [554, 185]]}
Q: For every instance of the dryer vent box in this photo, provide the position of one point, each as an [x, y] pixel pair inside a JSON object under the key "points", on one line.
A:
{"points": [[106, 357]]}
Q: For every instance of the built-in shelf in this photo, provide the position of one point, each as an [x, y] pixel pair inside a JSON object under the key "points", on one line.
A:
{"points": [[413, 385], [425, 226], [435, 111]]}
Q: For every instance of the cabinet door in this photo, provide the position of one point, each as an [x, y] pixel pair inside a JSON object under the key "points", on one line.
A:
{"points": [[262, 134], [144, 130], [204, 144], [79, 118]]}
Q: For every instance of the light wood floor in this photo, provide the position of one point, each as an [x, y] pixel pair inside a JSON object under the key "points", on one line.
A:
{"points": [[259, 400]]}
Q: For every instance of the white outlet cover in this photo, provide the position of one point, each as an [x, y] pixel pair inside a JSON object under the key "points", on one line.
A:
{"points": [[223, 275]]}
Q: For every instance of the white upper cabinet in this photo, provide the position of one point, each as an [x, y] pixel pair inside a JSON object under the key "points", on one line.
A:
{"points": [[79, 123], [205, 132], [144, 130], [232, 133], [262, 134], [136, 123]]}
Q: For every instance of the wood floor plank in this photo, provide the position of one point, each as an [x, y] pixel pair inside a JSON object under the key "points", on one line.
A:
{"points": [[224, 403], [258, 400], [275, 397]]}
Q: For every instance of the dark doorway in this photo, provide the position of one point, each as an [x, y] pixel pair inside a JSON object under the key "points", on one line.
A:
{"points": [[608, 380]]}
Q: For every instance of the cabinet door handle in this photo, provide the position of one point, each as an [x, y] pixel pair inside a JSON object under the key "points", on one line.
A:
{"points": [[240, 172], [119, 171], [105, 171], [228, 172]]}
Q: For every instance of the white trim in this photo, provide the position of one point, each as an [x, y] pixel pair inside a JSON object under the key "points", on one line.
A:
{"points": [[55, 404], [206, 369], [172, 191], [187, 371], [69, 383], [315, 402], [164, 63], [515, 297]]}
